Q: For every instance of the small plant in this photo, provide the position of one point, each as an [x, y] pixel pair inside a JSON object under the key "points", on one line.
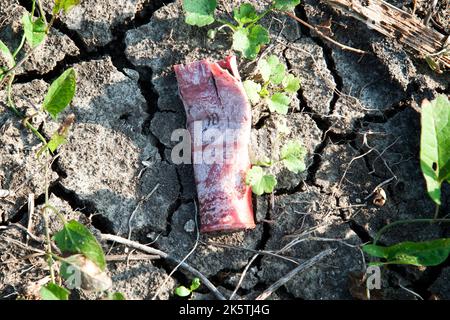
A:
{"points": [[292, 157], [61, 91], [425, 253], [277, 85], [435, 165], [248, 34], [81, 262], [182, 291], [435, 145]]}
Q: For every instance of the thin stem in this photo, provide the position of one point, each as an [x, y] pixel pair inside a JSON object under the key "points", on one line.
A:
{"points": [[47, 229], [57, 212], [35, 131], [11, 104], [33, 7], [436, 211], [268, 10], [41, 11], [22, 42], [396, 223], [227, 24]]}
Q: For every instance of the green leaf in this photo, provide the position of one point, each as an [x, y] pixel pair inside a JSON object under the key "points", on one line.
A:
{"points": [[195, 284], [246, 13], [182, 291], [65, 5], [60, 93], [286, 5], [293, 156], [248, 41], [260, 182], [435, 145], [117, 296], [291, 83], [6, 53], [52, 291], [199, 12], [34, 30], [279, 102], [265, 69], [277, 69], [76, 238], [252, 89], [56, 141], [426, 253]]}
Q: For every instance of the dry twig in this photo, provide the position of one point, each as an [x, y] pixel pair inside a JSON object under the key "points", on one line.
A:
{"points": [[305, 265], [162, 254], [320, 33]]}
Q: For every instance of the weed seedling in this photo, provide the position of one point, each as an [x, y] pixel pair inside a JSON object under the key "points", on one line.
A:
{"points": [[82, 263], [182, 291], [435, 165], [277, 86], [248, 34], [292, 157]]}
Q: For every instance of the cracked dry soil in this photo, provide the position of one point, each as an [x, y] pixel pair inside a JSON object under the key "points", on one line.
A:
{"points": [[355, 114]]}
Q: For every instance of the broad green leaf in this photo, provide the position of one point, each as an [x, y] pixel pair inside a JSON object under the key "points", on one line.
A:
{"points": [[259, 181], [65, 5], [60, 93], [252, 89], [291, 83], [435, 145], [277, 69], [259, 35], [293, 156], [279, 102], [34, 30], [52, 291], [265, 69], [6, 53], [182, 291], [199, 12], [76, 238], [248, 41], [245, 13], [426, 253], [195, 284], [117, 296], [286, 5]]}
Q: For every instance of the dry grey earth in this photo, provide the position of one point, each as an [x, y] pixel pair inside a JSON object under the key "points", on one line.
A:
{"points": [[356, 116]]}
